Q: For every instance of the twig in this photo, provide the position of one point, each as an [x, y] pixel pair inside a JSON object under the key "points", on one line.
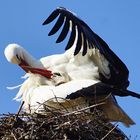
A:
{"points": [[59, 102], [22, 136], [109, 132], [46, 109], [61, 125], [83, 109], [14, 136]]}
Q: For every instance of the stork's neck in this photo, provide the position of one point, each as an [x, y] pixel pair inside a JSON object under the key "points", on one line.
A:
{"points": [[29, 64], [30, 60]]}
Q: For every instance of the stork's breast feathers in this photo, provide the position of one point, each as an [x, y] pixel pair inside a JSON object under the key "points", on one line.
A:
{"points": [[43, 93]]}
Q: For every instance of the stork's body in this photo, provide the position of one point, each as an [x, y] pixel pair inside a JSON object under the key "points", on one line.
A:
{"points": [[38, 96], [38, 93], [86, 61], [72, 75]]}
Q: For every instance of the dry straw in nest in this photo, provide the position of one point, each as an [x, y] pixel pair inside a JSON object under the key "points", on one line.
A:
{"points": [[55, 125]]}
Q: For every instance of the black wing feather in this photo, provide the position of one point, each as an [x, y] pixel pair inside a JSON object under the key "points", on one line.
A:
{"points": [[72, 38], [85, 45], [119, 72], [64, 31], [53, 16], [57, 25]]}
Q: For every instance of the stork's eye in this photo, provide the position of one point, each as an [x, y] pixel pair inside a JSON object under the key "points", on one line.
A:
{"points": [[57, 74], [18, 57]]}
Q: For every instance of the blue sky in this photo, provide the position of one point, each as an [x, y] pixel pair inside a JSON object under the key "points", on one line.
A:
{"points": [[117, 22]]}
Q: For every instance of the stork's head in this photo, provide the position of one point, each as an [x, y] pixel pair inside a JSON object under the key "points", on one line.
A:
{"points": [[15, 54]]}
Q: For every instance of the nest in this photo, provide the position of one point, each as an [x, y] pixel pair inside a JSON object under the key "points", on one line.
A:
{"points": [[55, 125]]}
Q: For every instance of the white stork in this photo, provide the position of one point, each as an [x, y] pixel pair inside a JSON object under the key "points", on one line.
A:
{"points": [[87, 61]]}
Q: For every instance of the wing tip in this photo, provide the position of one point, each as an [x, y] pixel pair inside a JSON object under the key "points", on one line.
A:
{"points": [[61, 8], [66, 10], [53, 15]]}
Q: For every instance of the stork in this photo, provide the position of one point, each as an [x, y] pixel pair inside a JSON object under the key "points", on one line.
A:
{"points": [[87, 61]]}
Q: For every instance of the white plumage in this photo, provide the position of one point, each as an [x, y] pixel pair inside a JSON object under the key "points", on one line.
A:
{"points": [[37, 93]]}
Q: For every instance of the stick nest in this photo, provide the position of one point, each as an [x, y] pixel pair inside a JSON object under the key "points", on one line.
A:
{"points": [[58, 126]]}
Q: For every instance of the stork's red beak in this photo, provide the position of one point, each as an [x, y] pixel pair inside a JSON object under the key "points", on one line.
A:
{"points": [[27, 68]]}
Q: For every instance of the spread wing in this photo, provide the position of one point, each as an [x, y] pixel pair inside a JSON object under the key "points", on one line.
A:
{"points": [[86, 40]]}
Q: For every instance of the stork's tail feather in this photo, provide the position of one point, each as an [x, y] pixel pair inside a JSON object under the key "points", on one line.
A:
{"points": [[124, 118], [122, 92], [105, 88], [114, 112]]}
